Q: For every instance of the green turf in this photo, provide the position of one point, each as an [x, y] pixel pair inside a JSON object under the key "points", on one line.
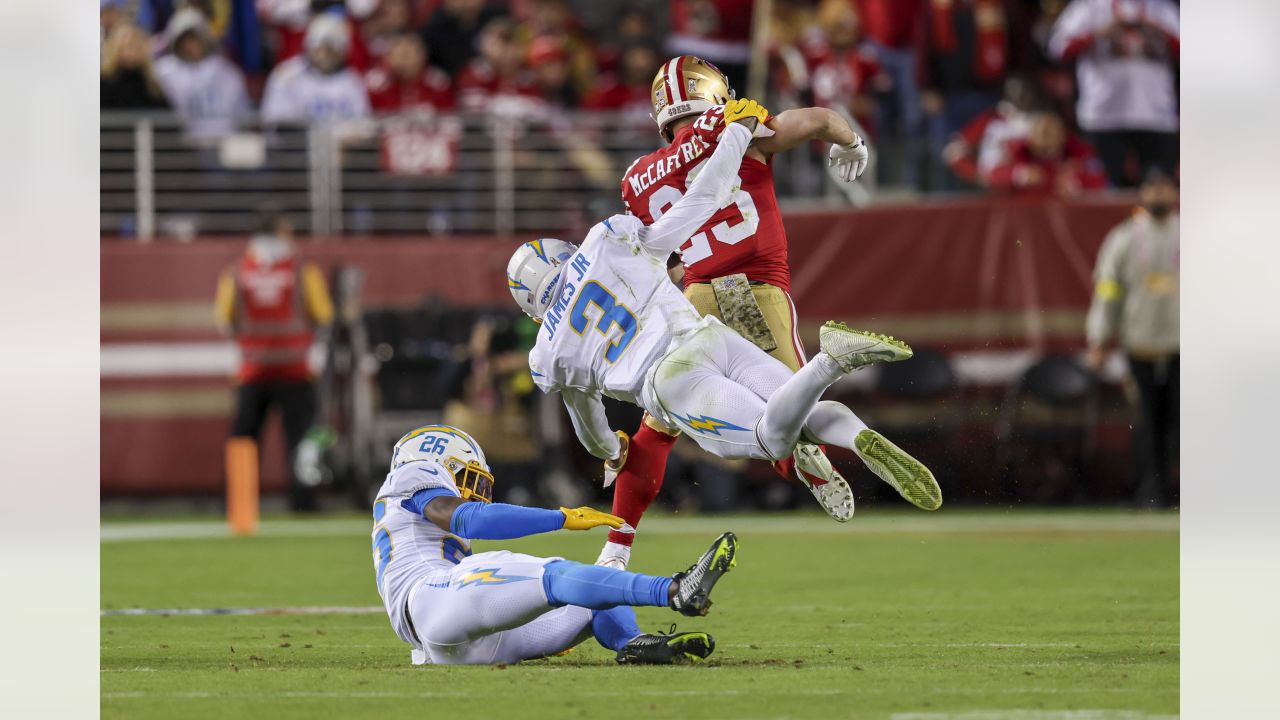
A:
{"points": [[887, 615]]}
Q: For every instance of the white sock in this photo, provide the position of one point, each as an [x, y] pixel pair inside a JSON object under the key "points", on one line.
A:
{"points": [[790, 405], [613, 550], [831, 423]]}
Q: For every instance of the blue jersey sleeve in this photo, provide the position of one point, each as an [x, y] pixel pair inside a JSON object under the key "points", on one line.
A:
{"points": [[499, 521]]}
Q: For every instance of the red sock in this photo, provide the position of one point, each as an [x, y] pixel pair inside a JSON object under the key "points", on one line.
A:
{"points": [[641, 479], [786, 467]]}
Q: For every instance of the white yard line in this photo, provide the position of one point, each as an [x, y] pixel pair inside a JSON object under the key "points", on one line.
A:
{"points": [[869, 524], [862, 691], [313, 610], [1033, 715]]}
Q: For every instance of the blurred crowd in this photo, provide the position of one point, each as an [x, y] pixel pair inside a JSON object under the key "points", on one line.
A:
{"points": [[1023, 96]]}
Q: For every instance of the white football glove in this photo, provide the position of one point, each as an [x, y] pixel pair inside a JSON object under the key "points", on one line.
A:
{"points": [[851, 159]]}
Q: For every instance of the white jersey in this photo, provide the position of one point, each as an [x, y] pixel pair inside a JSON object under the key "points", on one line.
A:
{"points": [[615, 316], [295, 91], [408, 549], [209, 95], [616, 311]]}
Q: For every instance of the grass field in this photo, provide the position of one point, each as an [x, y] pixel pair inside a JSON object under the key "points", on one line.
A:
{"points": [[1006, 616]]}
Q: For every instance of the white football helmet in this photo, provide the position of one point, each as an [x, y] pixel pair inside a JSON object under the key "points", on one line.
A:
{"points": [[534, 271], [457, 451]]}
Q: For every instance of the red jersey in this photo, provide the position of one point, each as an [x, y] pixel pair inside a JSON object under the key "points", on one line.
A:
{"points": [[745, 236], [272, 328], [387, 93]]}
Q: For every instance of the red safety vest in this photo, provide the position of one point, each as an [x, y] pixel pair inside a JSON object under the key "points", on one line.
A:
{"points": [[271, 322]]}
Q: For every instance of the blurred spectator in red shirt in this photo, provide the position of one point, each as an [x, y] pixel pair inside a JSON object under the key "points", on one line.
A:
{"points": [[498, 73], [552, 20], [632, 28], [384, 27], [843, 70], [453, 32], [628, 88], [967, 49], [1125, 52], [404, 81], [290, 19], [128, 81], [988, 139], [1049, 161], [549, 59], [718, 31]]}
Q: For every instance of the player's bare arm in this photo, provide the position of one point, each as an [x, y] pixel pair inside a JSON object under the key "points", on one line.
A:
{"points": [[439, 512], [795, 127]]}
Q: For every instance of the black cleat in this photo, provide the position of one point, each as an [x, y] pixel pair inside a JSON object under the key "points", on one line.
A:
{"points": [[667, 649], [693, 586]]}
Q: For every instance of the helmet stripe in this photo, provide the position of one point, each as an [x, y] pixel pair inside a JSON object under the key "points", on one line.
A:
{"points": [[673, 80], [666, 84], [680, 88], [446, 429]]}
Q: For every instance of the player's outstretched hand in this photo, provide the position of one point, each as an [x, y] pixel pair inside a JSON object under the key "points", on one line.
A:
{"points": [[850, 159], [746, 111], [614, 466], [585, 518]]}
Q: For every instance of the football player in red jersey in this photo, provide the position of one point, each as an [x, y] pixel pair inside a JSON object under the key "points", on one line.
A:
{"points": [[735, 267]]}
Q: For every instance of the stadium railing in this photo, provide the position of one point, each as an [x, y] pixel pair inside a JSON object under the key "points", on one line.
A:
{"points": [[418, 174]]}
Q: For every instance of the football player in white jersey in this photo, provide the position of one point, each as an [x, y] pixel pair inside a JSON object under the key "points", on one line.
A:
{"points": [[455, 607], [614, 324]]}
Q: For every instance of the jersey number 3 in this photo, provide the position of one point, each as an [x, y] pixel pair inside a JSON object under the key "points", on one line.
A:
{"points": [[611, 313], [699, 246]]}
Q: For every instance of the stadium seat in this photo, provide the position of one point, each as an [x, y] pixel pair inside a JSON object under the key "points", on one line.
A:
{"points": [[1045, 431]]}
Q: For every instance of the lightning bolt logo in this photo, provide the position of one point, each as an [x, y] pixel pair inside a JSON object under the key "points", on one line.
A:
{"points": [[487, 576], [514, 284], [705, 424], [538, 250]]}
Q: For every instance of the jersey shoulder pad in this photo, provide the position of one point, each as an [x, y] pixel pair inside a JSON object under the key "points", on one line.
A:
{"points": [[620, 226], [414, 476]]}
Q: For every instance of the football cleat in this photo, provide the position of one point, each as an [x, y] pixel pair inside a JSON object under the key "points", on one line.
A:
{"points": [[693, 586], [814, 469], [671, 648], [907, 475], [853, 349]]}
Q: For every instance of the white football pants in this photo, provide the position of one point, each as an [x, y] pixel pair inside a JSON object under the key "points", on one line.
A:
{"points": [[736, 401], [491, 608]]}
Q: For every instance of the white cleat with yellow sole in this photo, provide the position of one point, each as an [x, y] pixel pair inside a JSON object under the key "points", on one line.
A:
{"points": [[853, 349]]}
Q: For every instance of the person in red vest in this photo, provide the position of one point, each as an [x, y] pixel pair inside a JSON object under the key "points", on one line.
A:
{"points": [[272, 303]]}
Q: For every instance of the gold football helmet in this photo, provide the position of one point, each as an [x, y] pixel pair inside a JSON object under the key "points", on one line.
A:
{"points": [[684, 86]]}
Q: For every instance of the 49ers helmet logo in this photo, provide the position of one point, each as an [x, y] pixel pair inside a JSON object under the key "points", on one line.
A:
{"points": [[687, 85]]}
